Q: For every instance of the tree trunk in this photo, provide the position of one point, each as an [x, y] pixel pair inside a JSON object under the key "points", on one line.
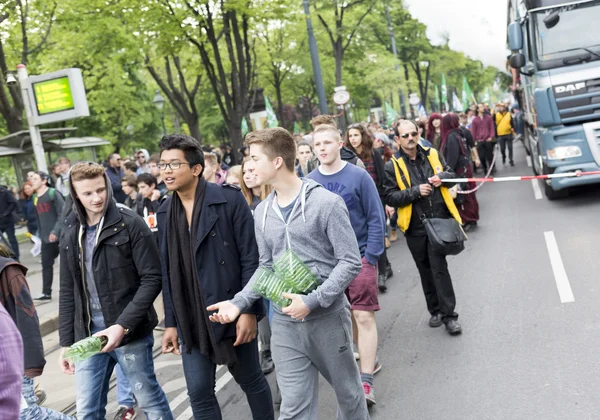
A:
{"points": [[194, 127], [339, 59], [235, 134], [14, 124]]}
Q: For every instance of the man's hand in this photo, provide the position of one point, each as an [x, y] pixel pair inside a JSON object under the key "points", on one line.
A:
{"points": [[170, 341], [53, 237], [226, 313], [390, 211], [115, 334], [245, 330], [436, 181], [66, 366], [155, 195], [425, 190], [297, 309]]}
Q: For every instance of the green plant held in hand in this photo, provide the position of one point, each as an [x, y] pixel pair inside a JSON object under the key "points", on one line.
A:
{"points": [[86, 348]]}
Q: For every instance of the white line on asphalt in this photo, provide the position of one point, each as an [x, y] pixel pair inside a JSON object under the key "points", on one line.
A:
{"points": [[528, 159], [186, 415], [560, 275], [537, 192], [180, 399], [222, 381]]}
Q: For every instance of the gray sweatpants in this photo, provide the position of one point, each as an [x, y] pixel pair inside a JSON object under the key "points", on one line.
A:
{"points": [[302, 350]]}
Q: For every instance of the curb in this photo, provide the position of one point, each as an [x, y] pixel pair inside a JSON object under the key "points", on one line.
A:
{"points": [[48, 324]]}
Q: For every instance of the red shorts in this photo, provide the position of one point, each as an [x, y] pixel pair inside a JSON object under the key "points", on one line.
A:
{"points": [[363, 293]]}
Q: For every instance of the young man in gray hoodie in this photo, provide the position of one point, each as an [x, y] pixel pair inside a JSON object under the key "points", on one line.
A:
{"points": [[313, 334]]}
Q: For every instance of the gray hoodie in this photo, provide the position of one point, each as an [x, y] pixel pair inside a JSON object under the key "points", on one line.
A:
{"points": [[321, 235]]}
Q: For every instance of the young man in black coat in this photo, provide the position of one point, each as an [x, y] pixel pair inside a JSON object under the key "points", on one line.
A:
{"points": [[208, 254], [109, 279]]}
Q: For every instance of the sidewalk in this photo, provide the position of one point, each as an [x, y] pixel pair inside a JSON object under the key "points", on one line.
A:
{"points": [[47, 311]]}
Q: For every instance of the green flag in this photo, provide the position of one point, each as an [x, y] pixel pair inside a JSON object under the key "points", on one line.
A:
{"points": [[271, 117], [487, 96], [467, 94], [390, 114], [437, 98], [245, 129], [297, 128], [444, 93]]}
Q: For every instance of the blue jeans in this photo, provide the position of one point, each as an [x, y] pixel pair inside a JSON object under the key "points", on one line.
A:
{"points": [[29, 408], [93, 375], [200, 378], [124, 394]]}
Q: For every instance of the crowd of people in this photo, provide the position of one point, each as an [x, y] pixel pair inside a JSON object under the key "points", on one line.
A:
{"points": [[200, 224]]}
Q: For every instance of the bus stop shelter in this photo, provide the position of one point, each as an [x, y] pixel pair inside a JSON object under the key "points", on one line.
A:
{"points": [[18, 147]]}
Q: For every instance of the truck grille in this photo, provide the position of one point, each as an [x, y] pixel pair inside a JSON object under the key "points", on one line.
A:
{"points": [[592, 133], [578, 102]]}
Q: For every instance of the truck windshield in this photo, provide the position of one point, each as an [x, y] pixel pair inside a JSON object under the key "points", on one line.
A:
{"points": [[572, 40]]}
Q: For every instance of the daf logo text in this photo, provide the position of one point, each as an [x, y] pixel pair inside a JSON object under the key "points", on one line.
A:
{"points": [[570, 88]]}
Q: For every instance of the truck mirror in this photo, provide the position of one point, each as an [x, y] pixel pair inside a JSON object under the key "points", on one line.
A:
{"points": [[552, 19], [515, 36], [517, 61]]}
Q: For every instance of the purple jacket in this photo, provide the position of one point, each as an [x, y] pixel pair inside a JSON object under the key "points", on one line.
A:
{"points": [[483, 128], [11, 367]]}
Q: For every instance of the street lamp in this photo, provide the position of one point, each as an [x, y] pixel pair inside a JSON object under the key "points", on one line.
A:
{"points": [[425, 65], [159, 102]]}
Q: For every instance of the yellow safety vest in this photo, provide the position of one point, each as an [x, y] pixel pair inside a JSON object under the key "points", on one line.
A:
{"points": [[503, 123], [405, 213]]}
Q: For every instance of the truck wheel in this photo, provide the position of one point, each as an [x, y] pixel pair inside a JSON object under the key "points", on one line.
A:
{"points": [[552, 194]]}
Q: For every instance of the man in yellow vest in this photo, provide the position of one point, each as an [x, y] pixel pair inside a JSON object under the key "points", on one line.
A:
{"points": [[413, 184], [505, 130]]}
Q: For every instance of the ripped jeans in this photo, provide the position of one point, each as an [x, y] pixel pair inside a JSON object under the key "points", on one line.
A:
{"points": [[135, 359]]}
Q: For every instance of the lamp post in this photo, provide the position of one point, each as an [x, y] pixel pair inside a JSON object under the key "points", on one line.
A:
{"points": [[159, 101], [314, 54], [425, 65]]}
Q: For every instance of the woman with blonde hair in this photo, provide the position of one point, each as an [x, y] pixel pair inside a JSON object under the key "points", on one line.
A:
{"points": [[234, 176], [253, 193]]}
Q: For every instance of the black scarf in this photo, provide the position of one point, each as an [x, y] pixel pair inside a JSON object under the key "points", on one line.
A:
{"points": [[186, 291]]}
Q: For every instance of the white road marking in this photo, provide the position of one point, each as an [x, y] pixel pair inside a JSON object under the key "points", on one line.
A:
{"points": [[529, 163], [180, 399], [222, 381], [560, 275], [537, 192], [186, 415]]}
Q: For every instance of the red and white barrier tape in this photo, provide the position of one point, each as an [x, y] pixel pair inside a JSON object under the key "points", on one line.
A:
{"points": [[522, 178]]}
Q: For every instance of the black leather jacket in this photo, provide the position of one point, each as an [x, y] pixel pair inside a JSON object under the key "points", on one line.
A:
{"points": [[419, 171]]}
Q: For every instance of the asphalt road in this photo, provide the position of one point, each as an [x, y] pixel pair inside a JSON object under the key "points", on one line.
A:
{"points": [[528, 351]]}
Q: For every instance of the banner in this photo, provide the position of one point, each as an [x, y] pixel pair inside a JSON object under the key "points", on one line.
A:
{"points": [[444, 94], [467, 94], [390, 114], [245, 129], [486, 98], [271, 117], [456, 103]]}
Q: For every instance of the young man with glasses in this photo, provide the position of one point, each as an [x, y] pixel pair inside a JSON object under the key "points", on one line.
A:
{"points": [[413, 185], [208, 254]]}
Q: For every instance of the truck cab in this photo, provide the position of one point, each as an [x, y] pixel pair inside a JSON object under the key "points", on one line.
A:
{"points": [[555, 48]]}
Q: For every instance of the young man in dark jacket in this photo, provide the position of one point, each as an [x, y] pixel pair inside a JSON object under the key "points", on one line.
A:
{"points": [[8, 206], [208, 254], [109, 279], [413, 185]]}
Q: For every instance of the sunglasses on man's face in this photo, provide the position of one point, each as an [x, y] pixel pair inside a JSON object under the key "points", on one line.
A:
{"points": [[406, 135]]}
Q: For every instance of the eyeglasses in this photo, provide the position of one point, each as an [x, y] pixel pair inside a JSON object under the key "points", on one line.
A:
{"points": [[173, 165], [406, 135], [141, 156]]}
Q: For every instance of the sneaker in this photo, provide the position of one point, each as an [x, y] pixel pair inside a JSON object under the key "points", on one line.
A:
{"points": [[125, 413], [377, 367], [381, 280], [435, 320], [266, 362], [453, 327], [369, 394], [40, 394], [43, 298]]}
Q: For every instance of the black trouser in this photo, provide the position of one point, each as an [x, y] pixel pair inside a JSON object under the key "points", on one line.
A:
{"points": [[435, 278], [504, 141], [49, 253], [12, 239], [486, 154], [383, 262]]}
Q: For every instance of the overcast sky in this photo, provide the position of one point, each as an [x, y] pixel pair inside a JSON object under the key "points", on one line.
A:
{"points": [[476, 27]]}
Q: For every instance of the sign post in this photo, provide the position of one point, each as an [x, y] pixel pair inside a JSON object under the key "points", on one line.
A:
{"points": [[34, 130], [50, 98]]}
